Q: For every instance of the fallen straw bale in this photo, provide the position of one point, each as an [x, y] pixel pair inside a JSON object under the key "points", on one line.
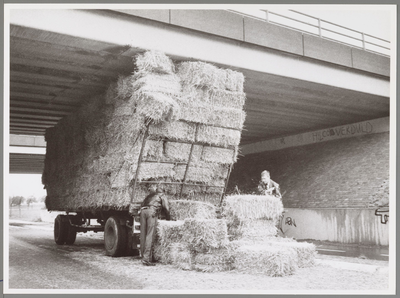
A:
{"points": [[218, 136], [154, 61], [204, 234], [246, 207], [268, 260], [182, 209]]}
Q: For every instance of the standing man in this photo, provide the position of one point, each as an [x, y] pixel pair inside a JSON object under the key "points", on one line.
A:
{"points": [[149, 211], [267, 186]]}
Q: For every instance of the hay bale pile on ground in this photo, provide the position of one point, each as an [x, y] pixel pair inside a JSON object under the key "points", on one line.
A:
{"points": [[251, 222], [252, 216], [194, 244], [92, 155]]}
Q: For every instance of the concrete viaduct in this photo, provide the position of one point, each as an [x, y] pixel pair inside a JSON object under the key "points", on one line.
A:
{"points": [[314, 106]]}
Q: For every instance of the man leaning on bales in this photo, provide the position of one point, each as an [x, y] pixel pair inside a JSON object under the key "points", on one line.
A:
{"points": [[149, 211]]}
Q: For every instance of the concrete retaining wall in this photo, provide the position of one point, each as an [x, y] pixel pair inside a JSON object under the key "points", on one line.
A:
{"points": [[336, 225]]}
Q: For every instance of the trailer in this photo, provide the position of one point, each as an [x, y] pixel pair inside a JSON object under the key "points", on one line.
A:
{"points": [[157, 127], [121, 227]]}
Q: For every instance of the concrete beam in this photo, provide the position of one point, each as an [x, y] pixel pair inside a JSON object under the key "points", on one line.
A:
{"points": [[27, 141], [323, 135], [119, 29]]}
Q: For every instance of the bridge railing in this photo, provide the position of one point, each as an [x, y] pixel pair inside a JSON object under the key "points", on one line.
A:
{"points": [[305, 23]]}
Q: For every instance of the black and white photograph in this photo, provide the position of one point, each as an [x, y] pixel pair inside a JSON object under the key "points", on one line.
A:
{"points": [[199, 149]]}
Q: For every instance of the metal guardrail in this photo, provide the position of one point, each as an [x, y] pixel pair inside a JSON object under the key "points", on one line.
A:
{"points": [[324, 29]]}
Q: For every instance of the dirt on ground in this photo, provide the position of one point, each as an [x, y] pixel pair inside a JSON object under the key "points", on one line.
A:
{"points": [[331, 274], [325, 276]]}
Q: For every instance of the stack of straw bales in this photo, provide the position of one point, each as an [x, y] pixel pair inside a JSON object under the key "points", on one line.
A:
{"points": [[197, 240], [92, 155], [252, 223], [252, 216]]}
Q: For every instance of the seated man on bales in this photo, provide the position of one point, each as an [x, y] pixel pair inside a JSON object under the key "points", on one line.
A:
{"points": [[267, 186]]}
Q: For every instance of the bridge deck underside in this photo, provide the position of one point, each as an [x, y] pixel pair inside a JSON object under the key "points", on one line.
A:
{"points": [[49, 79]]}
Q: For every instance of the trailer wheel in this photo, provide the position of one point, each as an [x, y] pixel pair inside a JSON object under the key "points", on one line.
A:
{"points": [[114, 237], [71, 236], [60, 229]]}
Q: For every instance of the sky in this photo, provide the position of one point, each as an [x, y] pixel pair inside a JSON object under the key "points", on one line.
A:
{"points": [[374, 20]]}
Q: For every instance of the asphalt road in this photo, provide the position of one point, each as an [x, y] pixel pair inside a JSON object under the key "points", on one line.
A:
{"points": [[37, 262]]}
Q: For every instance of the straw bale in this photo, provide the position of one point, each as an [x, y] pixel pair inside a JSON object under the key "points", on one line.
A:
{"points": [[221, 259], [306, 252], [177, 151], [118, 198], [111, 93], [211, 198], [246, 207], [124, 87], [176, 130], [202, 74], [234, 80], [268, 260], [204, 234], [153, 150], [214, 97], [201, 172], [169, 235], [155, 170], [181, 151], [153, 82], [182, 209], [169, 232], [123, 108], [181, 257], [252, 229], [157, 107], [120, 177], [207, 114], [219, 155], [154, 61], [218, 136]]}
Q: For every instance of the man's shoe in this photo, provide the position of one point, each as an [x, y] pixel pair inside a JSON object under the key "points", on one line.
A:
{"points": [[147, 263]]}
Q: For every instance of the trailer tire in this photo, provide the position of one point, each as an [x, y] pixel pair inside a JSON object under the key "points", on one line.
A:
{"points": [[60, 229], [115, 237], [71, 235]]}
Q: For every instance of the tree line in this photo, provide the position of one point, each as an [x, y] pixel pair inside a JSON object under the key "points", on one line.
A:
{"points": [[19, 200]]}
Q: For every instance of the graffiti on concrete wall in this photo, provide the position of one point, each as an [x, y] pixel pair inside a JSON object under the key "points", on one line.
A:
{"points": [[288, 221], [341, 131], [384, 214]]}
